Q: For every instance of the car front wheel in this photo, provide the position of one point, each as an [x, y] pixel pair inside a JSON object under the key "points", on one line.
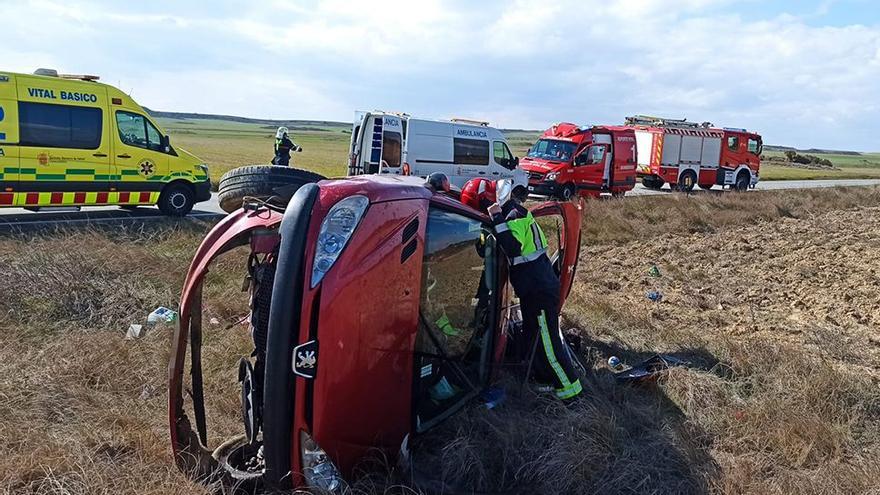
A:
{"points": [[176, 200]]}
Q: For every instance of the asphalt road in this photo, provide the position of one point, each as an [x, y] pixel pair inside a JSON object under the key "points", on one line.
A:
{"points": [[12, 219]]}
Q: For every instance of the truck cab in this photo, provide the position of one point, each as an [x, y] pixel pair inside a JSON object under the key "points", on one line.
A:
{"points": [[390, 143], [364, 326], [570, 160]]}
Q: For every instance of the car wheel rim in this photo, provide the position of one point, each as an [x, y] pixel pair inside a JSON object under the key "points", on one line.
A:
{"points": [[178, 201]]}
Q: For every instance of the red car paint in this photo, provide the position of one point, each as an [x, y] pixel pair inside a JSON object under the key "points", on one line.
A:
{"points": [[364, 314], [576, 170]]}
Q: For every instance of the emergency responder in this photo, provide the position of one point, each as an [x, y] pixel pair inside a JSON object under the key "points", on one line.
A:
{"points": [[283, 147], [536, 284]]}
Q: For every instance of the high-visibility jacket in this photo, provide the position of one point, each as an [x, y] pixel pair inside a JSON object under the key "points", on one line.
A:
{"points": [[525, 245]]}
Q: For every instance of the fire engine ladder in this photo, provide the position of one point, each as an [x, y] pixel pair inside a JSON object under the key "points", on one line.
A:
{"points": [[651, 121]]}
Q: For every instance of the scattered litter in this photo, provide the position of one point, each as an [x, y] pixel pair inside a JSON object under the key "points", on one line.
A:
{"points": [[492, 397], [214, 321], [147, 392], [614, 362], [649, 368], [654, 296], [654, 271], [163, 315], [135, 331]]}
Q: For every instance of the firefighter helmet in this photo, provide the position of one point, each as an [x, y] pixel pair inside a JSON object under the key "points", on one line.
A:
{"points": [[479, 194], [281, 132]]}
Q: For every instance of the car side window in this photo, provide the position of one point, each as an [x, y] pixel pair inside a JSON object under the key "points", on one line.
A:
{"points": [[154, 139], [753, 146], [470, 151], [596, 154], [733, 143], [391, 145], [453, 325]]}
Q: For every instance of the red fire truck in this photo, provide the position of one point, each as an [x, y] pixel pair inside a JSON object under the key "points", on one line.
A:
{"points": [[686, 154], [347, 287], [569, 159]]}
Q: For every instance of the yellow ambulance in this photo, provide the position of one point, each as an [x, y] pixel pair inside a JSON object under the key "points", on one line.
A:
{"points": [[71, 141]]}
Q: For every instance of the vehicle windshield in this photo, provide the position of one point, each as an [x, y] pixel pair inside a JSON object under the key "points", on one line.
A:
{"points": [[552, 149]]}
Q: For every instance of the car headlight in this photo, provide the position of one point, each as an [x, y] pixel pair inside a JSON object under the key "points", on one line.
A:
{"points": [[551, 176], [336, 229], [318, 470]]}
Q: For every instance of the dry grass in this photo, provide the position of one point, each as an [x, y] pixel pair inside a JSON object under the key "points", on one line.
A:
{"points": [[781, 399]]}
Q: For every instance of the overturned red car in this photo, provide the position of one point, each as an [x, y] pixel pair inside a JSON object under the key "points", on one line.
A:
{"points": [[379, 307]]}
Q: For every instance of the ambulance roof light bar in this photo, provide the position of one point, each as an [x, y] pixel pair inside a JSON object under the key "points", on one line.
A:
{"points": [[54, 73], [664, 122], [459, 120]]}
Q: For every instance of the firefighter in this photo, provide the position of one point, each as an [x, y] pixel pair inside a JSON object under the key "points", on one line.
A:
{"points": [[534, 281], [283, 147]]}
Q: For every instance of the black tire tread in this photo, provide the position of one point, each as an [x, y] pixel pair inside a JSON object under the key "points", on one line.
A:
{"points": [[260, 181]]}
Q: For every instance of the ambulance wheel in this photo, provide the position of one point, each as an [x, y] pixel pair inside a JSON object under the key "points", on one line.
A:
{"points": [[687, 181], [272, 184], [742, 182], [654, 183], [176, 200], [567, 192]]}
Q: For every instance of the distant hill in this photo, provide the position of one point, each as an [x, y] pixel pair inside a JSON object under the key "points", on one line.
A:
{"points": [[246, 120], [815, 151]]}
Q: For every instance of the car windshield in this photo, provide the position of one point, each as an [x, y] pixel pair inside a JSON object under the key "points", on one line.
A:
{"points": [[552, 149]]}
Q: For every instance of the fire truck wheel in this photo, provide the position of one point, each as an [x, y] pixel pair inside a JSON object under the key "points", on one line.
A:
{"points": [[742, 181], [687, 181], [654, 183], [567, 192], [270, 183]]}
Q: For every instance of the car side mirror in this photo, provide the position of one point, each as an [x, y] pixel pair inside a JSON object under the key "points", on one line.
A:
{"points": [[515, 161], [165, 141]]}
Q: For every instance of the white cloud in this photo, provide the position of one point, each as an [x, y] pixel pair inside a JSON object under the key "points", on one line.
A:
{"points": [[523, 64]]}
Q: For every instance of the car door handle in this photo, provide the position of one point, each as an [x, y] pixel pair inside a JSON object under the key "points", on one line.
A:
{"points": [[99, 155], [482, 173], [123, 156], [494, 173]]}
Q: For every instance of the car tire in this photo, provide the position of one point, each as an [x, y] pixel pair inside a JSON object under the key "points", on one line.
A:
{"points": [[270, 183], [687, 181], [742, 181], [177, 199], [653, 183], [567, 193]]}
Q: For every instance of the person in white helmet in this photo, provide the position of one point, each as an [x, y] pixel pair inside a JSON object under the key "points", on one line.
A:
{"points": [[283, 147]]}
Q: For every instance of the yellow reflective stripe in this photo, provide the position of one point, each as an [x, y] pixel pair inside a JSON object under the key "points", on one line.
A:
{"points": [[548, 351], [570, 391]]}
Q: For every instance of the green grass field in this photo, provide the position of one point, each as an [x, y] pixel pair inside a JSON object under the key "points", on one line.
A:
{"points": [[225, 145]]}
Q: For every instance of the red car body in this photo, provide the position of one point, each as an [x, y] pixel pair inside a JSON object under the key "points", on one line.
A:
{"points": [[569, 160], [364, 320]]}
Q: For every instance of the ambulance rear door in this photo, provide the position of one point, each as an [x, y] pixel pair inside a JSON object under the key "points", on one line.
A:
{"points": [[8, 140], [390, 143]]}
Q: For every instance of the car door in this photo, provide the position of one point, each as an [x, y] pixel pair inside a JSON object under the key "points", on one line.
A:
{"points": [[141, 164], [8, 134], [561, 223], [590, 166]]}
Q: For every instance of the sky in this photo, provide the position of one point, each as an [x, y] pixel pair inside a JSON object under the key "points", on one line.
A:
{"points": [[801, 73]]}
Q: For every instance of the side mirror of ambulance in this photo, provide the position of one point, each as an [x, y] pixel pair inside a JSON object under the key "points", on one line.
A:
{"points": [[515, 161], [166, 144]]}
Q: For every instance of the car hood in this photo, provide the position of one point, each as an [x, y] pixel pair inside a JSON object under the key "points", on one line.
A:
{"points": [[540, 165]]}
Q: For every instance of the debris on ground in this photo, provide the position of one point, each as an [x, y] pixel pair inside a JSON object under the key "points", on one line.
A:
{"points": [[654, 271], [654, 296], [134, 331], [614, 362], [162, 315], [649, 368], [493, 397]]}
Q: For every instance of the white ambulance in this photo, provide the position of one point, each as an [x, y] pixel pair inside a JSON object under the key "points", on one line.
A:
{"points": [[395, 143]]}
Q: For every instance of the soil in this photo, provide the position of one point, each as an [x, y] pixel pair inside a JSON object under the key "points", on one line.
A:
{"points": [[812, 282]]}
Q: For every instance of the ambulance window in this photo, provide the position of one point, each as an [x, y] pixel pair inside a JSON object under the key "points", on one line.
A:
{"points": [[132, 130], [452, 331], [502, 155], [733, 143], [471, 151], [154, 139], [59, 126], [391, 148]]}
